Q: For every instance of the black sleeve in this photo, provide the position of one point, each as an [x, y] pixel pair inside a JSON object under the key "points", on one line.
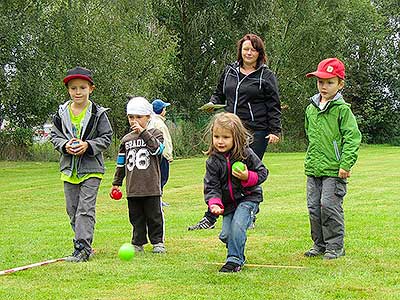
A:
{"points": [[218, 96], [273, 104], [254, 164], [212, 182]]}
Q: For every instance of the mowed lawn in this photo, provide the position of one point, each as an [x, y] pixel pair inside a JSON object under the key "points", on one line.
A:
{"points": [[34, 227]]}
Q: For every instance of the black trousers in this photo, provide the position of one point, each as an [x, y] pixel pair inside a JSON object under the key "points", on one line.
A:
{"points": [[147, 218]]}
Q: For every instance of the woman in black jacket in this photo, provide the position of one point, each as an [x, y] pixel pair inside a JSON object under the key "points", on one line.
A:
{"points": [[249, 90]]}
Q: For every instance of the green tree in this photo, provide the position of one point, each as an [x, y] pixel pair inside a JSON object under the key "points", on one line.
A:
{"points": [[120, 41], [373, 58]]}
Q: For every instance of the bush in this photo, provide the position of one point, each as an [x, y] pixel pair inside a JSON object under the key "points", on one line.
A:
{"points": [[288, 144], [188, 137], [15, 143], [395, 141], [43, 152]]}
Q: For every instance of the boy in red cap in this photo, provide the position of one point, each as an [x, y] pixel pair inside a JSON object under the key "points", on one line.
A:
{"points": [[81, 132], [334, 139]]}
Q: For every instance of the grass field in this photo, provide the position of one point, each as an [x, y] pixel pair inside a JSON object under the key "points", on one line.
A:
{"points": [[35, 227]]}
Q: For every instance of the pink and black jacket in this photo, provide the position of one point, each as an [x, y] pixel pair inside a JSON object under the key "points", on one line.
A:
{"points": [[227, 191]]}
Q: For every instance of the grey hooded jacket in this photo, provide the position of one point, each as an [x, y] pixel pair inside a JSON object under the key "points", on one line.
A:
{"points": [[96, 131]]}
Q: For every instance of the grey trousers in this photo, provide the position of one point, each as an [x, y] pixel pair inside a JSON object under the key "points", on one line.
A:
{"points": [[81, 209], [325, 207]]}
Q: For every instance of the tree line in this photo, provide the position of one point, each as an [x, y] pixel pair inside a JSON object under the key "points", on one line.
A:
{"points": [[176, 49]]}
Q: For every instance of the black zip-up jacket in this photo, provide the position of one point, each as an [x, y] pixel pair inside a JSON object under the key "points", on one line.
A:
{"points": [[254, 98], [221, 187]]}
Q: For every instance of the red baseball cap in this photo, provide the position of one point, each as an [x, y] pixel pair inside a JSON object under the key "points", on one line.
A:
{"points": [[329, 68], [79, 72]]}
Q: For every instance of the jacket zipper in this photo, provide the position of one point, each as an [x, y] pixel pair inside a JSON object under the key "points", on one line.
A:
{"points": [[251, 111], [230, 181], [335, 147], [237, 93]]}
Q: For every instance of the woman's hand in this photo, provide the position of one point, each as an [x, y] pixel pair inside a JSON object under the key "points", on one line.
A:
{"points": [[272, 138]]}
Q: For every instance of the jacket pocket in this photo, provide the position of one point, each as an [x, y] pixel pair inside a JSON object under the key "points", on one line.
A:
{"points": [[336, 148]]}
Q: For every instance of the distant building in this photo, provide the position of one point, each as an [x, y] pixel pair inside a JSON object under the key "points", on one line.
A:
{"points": [[42, 134], [3, 124]]}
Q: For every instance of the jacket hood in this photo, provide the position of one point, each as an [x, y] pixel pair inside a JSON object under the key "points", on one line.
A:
{"points": [[220, 156], [337, 100], [235, 65], [64, 108], [223, 156]]}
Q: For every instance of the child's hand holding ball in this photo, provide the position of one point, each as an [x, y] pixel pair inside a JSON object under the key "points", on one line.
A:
{"points": [[239, 170]]}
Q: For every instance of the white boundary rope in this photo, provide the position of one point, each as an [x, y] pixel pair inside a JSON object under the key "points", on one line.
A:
{"points": [[43, 263]]}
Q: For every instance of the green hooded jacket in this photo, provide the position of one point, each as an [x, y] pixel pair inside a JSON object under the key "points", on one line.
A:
{"points": [[333, 136]]}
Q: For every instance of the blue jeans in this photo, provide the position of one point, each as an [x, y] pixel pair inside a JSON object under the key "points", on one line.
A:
{"points": [[234, 227], [164, 170]]}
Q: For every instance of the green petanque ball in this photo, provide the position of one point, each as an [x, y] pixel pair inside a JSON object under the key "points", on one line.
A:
{"points": [[238, 166], [126, 252]]}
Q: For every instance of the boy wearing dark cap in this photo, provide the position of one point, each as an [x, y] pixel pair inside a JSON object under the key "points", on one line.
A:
{"points": [[158, 121], [334, 139], [81, 132]]}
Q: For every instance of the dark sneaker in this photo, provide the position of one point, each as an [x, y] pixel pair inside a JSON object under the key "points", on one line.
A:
{"points": [[159, 248], [313, 252], [202, 224], [252, 225], [333, 254], [230, 267], [79, 256], [92, 253]]}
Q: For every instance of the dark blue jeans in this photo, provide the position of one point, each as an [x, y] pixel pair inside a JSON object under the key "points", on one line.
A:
{"points": [[164, 169], [260, 143]]}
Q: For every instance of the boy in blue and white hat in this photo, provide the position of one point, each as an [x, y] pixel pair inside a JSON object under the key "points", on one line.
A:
{"points": [[158, 121]]}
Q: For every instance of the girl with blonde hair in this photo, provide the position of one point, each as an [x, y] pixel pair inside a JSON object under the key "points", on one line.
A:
{"points": [[232, 192]]}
